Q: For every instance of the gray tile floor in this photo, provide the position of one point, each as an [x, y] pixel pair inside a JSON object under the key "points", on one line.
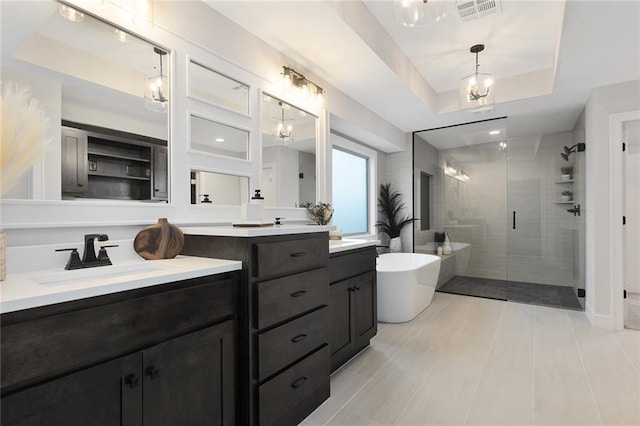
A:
{"points": [[474, 361], [531, 293]]}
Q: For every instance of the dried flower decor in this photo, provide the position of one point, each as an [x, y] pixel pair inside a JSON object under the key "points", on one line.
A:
{"points": [[321, 213], [23, 129]]}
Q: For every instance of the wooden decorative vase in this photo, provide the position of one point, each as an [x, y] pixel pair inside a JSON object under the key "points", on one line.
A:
{"points": [[160, 241]]}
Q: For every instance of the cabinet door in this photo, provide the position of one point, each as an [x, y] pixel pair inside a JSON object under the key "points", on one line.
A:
{"points": [[190, 380], [160, 187], [104, 395], [366, 318], [74, 161], [341, 320]]}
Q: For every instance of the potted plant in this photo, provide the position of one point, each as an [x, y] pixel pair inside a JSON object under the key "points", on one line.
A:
{"points": [[566, 172], [566, 195], [390, 206], [321, 213]]}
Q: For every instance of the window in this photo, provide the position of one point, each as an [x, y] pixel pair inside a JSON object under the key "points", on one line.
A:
{"points": [[353, 168]]}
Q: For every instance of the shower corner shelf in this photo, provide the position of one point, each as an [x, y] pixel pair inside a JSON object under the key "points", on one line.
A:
{"points": [[564, 202], [564, 181]]}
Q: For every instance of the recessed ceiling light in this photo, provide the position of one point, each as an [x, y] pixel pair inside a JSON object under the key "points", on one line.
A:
{"points": [[219, 139], [494, 132]]}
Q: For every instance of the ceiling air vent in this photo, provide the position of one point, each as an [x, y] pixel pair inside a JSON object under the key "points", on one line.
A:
{"points": [[469, 10]]}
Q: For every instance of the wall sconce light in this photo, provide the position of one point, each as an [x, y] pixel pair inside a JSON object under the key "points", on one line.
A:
{"points": [[476, 89], [156, 99], [283, 133], [304, 87], [450, 170]]}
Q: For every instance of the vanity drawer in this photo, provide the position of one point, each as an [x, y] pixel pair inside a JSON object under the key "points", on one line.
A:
{"points": [[285, 257], [351, 263], [282, 298], [285, 344], [291, 396]]}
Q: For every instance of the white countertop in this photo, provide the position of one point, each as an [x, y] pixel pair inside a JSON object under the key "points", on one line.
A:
{"points": [[336, 246], [262, 231], [47, 287]]}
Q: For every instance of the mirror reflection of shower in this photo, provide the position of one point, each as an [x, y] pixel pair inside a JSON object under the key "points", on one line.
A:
{"points": [[579, 147]]}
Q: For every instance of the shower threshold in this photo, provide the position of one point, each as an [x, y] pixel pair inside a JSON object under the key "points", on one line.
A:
{"points": [[513, 291]]}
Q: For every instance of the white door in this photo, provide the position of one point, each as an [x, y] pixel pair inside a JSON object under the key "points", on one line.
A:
{"points": [[632, 227]]}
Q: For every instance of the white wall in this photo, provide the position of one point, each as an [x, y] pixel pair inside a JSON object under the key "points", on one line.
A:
{"points": [[400, 175], [602, 103]]}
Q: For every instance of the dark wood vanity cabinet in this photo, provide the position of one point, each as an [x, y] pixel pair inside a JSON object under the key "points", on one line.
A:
{"points": [[352, 303], [283, 322], [105, 163], [163, 355]]}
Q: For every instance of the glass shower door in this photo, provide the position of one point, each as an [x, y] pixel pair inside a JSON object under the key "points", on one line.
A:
{"points": [[540, 230]]}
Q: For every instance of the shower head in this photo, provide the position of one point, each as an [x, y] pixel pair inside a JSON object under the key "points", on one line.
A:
{"points": [[567, 151], [565, 156]]}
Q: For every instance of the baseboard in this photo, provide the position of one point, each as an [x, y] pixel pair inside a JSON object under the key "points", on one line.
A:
{"points": [[599, 321]]}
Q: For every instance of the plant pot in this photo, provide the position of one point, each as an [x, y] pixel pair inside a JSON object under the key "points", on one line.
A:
{"points": [[395, 245]]}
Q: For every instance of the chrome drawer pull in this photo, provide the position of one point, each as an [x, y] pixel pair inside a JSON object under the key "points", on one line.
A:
{"points": [[299, 382], [298, 338], [298, 254], [299, 293]]}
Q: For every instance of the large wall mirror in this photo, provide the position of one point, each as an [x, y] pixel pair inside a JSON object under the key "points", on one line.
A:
{"points": [[216, 189], [289, 137], [106, 95]]}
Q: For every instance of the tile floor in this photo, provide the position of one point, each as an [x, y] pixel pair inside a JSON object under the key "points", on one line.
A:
{"points": [[467, 360], [536, 294]]}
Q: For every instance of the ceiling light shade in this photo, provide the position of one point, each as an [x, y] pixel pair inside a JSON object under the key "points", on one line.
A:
{"points": [[476, 89], [156, 97], [415, 13]]}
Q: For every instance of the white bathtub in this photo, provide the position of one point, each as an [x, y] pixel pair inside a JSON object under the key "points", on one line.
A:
{"points": [[461, 250], [406, 283]]}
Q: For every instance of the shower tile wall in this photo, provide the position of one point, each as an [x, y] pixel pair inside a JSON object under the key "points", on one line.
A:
{"points": [[474, 212]]}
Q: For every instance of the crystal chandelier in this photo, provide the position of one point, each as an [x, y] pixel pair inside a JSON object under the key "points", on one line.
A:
{"points": [[283, 133]]}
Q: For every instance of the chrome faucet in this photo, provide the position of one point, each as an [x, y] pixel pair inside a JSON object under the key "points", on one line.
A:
{"points": [[89, 258]]}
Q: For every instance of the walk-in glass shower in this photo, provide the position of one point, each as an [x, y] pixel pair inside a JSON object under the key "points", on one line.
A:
{"points": [[509, 207]]}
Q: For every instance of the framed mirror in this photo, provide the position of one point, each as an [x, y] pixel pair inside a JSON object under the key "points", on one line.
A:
{"points": [[209, 188], [106, 95], [212, 87], [210, 137], [289, 137]]}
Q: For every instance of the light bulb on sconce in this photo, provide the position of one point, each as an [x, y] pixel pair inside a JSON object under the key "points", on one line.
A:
{"points": [[301, 87]]}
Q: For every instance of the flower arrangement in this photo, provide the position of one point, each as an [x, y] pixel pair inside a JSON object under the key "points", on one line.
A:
{"points": [[23, 132], [321, 213]]}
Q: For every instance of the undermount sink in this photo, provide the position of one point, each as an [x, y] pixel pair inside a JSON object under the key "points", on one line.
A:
{"points": [[96, 273]]}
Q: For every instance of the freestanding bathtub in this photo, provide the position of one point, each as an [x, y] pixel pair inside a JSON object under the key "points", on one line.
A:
{"points": [[406, 283]]}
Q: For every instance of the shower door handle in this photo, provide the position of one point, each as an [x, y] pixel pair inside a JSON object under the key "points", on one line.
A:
{"points": [[514, 219]]}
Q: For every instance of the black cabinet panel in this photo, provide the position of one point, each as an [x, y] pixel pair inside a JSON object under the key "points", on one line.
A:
{"points": [[189, 380], [291, 396], [291, 295], [352, 303], [96, 396], [286, 257], [285, 344]]}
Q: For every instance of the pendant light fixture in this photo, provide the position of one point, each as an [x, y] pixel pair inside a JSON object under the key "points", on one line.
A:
{"points": [[283, 133], [476, 89], [156, 98], [415, 13]]}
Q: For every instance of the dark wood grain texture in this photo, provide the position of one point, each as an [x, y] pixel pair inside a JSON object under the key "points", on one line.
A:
{"points": [[162, 240]]}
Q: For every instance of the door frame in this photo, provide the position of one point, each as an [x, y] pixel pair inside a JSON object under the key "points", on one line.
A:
{"points": [[617, 188]]}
